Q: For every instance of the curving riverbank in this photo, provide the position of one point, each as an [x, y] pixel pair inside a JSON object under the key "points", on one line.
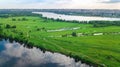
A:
{"points": [[77, 57], [33, 57], [89, 49], [66, 53]]}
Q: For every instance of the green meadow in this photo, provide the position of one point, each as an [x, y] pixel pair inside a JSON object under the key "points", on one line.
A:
{"points": [[72, 39]]}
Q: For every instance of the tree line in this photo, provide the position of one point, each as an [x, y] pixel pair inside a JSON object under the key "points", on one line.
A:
{"points": [[94, 23], [104, 23]]}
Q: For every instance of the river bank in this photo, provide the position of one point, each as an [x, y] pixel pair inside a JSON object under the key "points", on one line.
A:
{"points": [[91, 50]]}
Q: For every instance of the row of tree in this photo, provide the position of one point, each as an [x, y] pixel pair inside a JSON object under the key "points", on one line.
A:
{"points": [[9, 26], [104, 23], [74, 34], [15, 13], [20, 19], [94, 23], [61, 20]]}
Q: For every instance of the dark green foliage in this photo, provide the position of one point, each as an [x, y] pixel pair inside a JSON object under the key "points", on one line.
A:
{"points": [[14, 13], [104, 23], [24, 19], [13, 19], [8, 26], [74, 34], [4, 16], [99, 25], [30, 31], [86, 12], [13, 26], [19, 19], [38, 29], [1, 29], [64, 35], [43, 28], [21, 33]]}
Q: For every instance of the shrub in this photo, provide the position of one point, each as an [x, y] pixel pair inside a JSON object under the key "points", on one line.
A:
{"points": [[13, 26], [38, 29], [8, 26], [74, 34], [64, 35], [13, 19], [24, 19]]}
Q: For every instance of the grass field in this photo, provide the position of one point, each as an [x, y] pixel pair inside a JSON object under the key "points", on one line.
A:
{"points": [[102, 50]]}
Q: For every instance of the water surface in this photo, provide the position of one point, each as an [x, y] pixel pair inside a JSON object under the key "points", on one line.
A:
{"points": [[16, 55], [77, 18]]}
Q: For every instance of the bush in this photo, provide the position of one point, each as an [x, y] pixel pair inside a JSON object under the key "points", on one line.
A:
{"points": [[13, 26], [19, 19], [38, 29], [99, 25], [8, 26], [21, 33], [64, 35], [1, 29], [13, 19], [74, 34], [104, 23], [24, 19]]}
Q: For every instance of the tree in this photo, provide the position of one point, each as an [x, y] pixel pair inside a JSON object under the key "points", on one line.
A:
{"points": [[38, 29], [74, 34], [13, 19], [8, 26], [13, 26], [19, 19], [64, 35], [24, 19], [1, 29]]}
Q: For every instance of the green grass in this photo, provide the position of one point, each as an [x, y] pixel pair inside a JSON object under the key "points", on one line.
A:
{"points": [[100, 50]]}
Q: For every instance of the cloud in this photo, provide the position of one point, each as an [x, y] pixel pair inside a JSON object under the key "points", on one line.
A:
{"points": [[111, 1], [58, 4], [19, 1]]}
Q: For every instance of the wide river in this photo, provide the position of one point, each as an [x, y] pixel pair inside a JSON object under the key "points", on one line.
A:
{"points": [[77, 18], [14, 54]]}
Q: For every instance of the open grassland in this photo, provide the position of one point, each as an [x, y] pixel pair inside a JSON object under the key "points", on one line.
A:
{"points": [[102, 50]]}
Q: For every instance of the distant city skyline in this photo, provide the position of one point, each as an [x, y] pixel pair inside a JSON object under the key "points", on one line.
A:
{"points": [[60, 4]]}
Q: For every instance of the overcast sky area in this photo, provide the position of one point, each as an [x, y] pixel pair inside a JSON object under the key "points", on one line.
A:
{"points": [[60, 4]]}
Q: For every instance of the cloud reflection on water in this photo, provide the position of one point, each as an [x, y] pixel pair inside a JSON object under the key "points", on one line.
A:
{"points": [[15, 55]]}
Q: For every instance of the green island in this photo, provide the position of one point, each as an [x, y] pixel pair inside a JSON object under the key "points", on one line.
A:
{"points": [[96, 44]]}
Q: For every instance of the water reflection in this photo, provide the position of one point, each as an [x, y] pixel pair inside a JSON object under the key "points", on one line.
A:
{"points": [[15, 55]]}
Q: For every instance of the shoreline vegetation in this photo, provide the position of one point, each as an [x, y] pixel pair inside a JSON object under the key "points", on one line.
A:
{"points": [[31, 29]]}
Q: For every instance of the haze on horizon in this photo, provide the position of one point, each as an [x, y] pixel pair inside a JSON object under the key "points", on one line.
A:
{"points": [[60, 4]]}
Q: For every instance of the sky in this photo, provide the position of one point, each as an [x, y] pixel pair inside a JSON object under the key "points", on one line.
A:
{"points": [[59, 4]]}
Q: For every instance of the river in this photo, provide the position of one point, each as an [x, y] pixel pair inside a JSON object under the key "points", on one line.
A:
{"points": [[14, 54], [77, 18]]}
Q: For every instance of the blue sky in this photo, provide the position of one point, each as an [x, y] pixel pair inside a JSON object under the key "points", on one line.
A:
{"points": [[77, 4], [112, 1]]}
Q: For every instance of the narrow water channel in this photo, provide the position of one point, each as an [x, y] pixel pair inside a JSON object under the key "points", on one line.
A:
{"points": [[14, 54]]}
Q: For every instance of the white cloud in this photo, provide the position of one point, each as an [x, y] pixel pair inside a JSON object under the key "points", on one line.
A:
{"points": [[77, 4]]}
